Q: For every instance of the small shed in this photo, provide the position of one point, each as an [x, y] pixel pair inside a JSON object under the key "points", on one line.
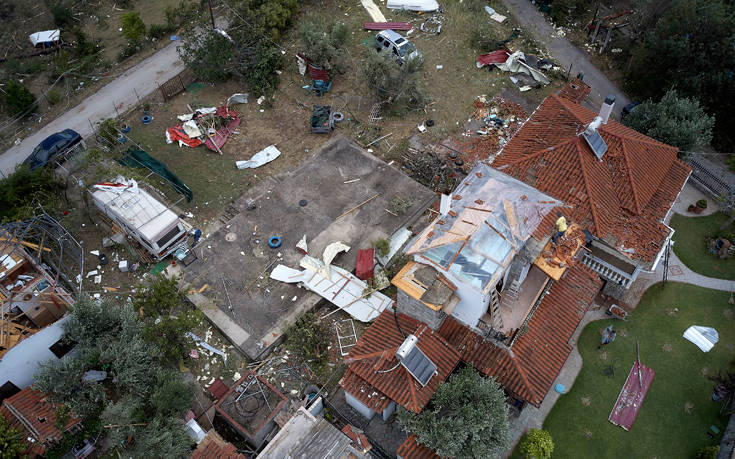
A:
{"points": [[45, 38]]}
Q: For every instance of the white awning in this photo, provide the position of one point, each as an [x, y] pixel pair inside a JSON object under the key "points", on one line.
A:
{"points": [[45, 36], [704, 337]]}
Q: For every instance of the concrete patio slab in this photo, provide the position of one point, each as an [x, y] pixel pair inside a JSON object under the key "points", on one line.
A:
{"points": [[238, 259]]}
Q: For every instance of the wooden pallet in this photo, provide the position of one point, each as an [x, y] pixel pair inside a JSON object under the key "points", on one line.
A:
{"points": [[230, 212]]}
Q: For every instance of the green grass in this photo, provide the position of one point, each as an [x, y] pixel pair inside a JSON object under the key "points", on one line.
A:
{"points": [[663, 429], [691, 245]]}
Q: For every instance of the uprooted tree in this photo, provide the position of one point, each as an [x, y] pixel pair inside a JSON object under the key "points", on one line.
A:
{"points": [[674, 120], [323, 40], [392, 83], [467, 417]]}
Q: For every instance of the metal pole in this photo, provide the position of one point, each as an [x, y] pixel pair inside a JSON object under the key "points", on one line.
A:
{"points": [[211, 14]]}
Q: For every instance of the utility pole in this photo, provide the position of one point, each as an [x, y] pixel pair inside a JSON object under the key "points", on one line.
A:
{"points": [[211, 14]]}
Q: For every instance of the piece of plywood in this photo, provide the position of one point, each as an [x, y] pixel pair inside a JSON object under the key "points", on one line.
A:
{"points": [[555, 260]]}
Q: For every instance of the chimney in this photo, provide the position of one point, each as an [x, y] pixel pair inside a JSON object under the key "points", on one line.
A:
{"points": [[607, 108], [580, 76]]}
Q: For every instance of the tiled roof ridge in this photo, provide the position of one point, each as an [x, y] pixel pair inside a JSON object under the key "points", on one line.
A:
{"points": [[633, 185], [590, 196], [22, 419]]}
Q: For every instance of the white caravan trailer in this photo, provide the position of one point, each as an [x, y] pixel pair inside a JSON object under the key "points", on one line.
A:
{"points": [[140, 215]]}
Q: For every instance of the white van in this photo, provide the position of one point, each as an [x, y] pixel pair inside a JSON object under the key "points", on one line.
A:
{"points": [[393, 42], [156, 227]]}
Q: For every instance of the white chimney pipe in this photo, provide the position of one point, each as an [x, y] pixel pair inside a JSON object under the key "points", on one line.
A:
{"points": [[607, 108]]}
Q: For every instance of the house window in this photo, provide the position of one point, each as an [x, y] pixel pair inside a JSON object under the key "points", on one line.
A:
{"points": [[62, 347], [8, 390]]}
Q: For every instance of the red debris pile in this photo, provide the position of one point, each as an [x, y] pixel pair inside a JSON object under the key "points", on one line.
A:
{"points": [[209, 126], [499, 119]]}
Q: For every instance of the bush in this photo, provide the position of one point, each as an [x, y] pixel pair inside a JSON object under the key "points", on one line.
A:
{"points": [[392, 83], [18, 99], [107, 131], [83, 46], [11, 440], [53, 97], [23, 190], [537, 444], [207, 54], [133, 27], [707, 452], [308, 339], [323, 40], [61, 13], [702, 203], [260, 74], [382, 247], [159, 30]]}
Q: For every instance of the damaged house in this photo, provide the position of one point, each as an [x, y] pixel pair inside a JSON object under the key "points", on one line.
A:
{"points": [[487, 287]]}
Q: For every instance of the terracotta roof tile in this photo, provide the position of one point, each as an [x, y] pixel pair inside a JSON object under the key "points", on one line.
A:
{"points": [[373, 359], [410, 449], [30, 412], [214, 447], [364, 391], [359, 440], [606, 195], [530, 367], [576, 91]]}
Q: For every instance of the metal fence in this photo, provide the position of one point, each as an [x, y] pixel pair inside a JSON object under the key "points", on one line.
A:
{"points": [[176, 84], [709, 181]]}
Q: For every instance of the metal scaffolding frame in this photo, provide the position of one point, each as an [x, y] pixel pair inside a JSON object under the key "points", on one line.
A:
{"points": [[49, 245]]}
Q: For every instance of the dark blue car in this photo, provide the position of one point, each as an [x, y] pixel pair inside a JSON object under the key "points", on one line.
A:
{"points": [[52, 147]]}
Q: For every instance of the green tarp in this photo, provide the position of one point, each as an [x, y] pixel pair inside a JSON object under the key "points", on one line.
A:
{"points": [[135, 157]]}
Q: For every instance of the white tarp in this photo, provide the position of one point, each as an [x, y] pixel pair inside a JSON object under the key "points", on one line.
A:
{"points": [[704, 337], [45, 36], [413, 5], [330, 252], [373, 11], [192, 129], [515, 64], [264, 156]]}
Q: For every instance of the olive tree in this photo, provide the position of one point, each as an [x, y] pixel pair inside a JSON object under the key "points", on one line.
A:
{"points": [[467, 417]]}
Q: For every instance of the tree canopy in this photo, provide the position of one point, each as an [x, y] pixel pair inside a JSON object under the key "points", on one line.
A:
{"points": [[392, 83], [688, 45], [674, 120], [323, 40], [537, 444], [467, 417], [11, 441], [139, 388]]}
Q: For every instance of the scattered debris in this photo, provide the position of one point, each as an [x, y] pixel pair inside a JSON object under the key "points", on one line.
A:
{"points": [[704, 337]]}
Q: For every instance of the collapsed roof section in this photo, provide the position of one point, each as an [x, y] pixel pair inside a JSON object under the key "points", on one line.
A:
{"points": [[489, 219]]}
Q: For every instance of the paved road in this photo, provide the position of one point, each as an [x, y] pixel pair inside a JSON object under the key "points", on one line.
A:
{"points": [[565, 52], [144, 78]]}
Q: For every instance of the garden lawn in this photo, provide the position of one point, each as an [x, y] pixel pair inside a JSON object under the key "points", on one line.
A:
{"points": [[678, 409], [691, 246]]}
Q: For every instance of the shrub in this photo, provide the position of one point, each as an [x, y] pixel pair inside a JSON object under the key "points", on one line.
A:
{"points": [[18, 99], [392, 83], [707, 452], [159, 30], [11, 440], [323, 40], [207, 54], [308, 339], [382, 247], [537, 444], [133, 27], [23, 190], [107, 131], [399, 205], [53, 97], [260, 74], [61, 13], [702, 203]]}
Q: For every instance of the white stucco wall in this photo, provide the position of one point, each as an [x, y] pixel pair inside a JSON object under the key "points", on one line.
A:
{"points": [[21, 362], [359, 406]]}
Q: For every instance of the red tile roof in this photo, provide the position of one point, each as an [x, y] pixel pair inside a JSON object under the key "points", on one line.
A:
{"points": [[410, 449], [576, 91], [621, 198], [31, 413], [529, 368], [373, 360], [359, 440], [214, 447]]}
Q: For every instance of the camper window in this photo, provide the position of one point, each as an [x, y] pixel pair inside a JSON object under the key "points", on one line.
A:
{"points": [[167, 238]]}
